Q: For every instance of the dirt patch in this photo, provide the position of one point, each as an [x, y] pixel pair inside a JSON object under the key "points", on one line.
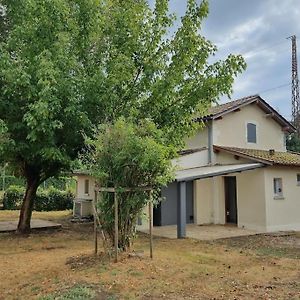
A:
{"points": [[278, 244]]}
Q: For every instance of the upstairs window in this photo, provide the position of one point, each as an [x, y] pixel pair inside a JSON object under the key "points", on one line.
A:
{"points": [[86, 186], [277, 182], [251, 133]]}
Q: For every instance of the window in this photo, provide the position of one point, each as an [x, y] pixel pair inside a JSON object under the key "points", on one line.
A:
{"points": [[298, 179], [251, 133], [278, 188], [86, 186]]}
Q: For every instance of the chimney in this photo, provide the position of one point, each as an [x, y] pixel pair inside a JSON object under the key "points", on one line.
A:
{"points": [[271, 151]]}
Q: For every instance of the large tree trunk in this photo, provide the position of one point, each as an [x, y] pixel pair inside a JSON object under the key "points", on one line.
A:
{"points": [[27, 205]]}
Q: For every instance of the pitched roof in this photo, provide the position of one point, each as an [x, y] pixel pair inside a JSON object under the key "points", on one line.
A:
{"points": [[228, 106], [222, 109], [264, 156]]}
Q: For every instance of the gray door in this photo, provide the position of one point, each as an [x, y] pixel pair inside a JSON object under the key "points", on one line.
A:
{"points": [[166, 212]]}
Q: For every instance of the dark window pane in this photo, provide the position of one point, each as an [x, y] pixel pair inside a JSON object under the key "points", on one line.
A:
{"points": [[251, 133], [86, 186]]}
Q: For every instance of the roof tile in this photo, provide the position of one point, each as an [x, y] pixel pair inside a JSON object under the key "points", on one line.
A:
{"points": [[221, 108], [276, 158]]}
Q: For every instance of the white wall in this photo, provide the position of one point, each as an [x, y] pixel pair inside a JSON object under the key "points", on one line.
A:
{"points": [[283, 214], [80, 190], [199, 140], [203, 201], [224, 158], [231, 130], [251, 200], [209, 202], [193, 160]]}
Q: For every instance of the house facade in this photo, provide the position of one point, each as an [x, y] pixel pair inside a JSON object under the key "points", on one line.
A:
{"points": [[235, 170]]}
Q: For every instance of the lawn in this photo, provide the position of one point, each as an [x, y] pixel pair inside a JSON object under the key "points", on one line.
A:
{"points": [[60, 265]]}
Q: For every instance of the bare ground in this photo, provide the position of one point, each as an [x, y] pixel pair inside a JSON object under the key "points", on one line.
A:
{"points": [[51, 262]]}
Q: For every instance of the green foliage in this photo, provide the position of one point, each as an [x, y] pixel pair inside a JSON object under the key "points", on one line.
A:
{"points": [[66, 65], [40, 76], [140, 70], [125, 155], [12, 198], [129, 155], [293, 143], [53, 199], [46, 200]]}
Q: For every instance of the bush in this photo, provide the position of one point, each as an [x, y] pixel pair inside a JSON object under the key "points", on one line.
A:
{"points": [[53, 199], [12, 198], [128, 155], [46, 200]]}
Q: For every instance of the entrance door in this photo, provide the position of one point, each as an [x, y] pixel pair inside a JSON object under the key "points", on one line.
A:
{"points": [[230, 199]]}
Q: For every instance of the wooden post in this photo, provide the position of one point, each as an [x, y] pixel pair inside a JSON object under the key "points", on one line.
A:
{"points": [[116, 227], [151, 225], [95, 224]]}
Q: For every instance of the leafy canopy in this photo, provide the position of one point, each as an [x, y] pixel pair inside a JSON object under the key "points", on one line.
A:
{"points": [[41, 100], [126, 155], [68, 64]]}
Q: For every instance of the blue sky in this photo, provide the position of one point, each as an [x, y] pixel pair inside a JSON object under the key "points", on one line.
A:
{"points": [[258, 30]]}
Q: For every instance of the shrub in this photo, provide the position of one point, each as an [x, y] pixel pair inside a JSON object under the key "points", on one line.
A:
{"points": [[46, 200], [128, 155], [12, 198], [53, 199]]}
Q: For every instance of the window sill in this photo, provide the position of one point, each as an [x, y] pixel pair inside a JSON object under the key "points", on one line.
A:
{"points": [[279, 198]]}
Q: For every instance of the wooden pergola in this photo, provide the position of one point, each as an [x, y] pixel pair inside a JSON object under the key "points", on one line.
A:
{"points": [[115, 191]]}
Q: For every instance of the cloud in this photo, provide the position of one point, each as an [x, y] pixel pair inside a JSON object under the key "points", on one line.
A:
{"points": [[258, 30]]}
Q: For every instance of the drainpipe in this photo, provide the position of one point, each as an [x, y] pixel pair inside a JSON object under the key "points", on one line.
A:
{"points": [[210, 142], [214, 186]]}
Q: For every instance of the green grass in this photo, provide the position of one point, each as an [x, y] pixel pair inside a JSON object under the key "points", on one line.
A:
{"points": [[279, 252], [76, 293]]}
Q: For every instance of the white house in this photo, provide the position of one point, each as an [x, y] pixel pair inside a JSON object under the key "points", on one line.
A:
{"points": [[235, 170]]}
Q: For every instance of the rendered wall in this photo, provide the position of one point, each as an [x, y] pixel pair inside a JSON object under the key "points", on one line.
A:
{"points": [[231, 130], [209, 203], [224, 158], [199, 140], [192, 160], [283, 214], [80, 193], [251, 200]]}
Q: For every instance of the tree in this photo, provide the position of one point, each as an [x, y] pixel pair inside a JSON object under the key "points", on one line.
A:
{"points": [[41, 102], [293, 143], [126, 155], [68, 64]]}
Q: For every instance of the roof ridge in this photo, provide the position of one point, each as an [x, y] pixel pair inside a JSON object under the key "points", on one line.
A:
{"points": [[236, 100]]}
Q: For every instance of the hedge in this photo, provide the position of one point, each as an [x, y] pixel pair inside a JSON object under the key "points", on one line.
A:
{"points": [[46, 200]]}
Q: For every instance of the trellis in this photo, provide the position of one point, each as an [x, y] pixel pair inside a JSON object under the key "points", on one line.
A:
{"points": [[115, 191]]}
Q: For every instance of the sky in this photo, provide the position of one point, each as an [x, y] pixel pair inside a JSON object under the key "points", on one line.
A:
{"points": [[257, 29]]}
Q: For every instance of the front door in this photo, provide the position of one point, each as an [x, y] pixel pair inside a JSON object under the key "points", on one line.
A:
{"points": [[230, 199]]}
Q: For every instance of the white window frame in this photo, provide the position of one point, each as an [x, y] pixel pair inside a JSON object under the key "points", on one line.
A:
{"points": [[278, 188]]}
